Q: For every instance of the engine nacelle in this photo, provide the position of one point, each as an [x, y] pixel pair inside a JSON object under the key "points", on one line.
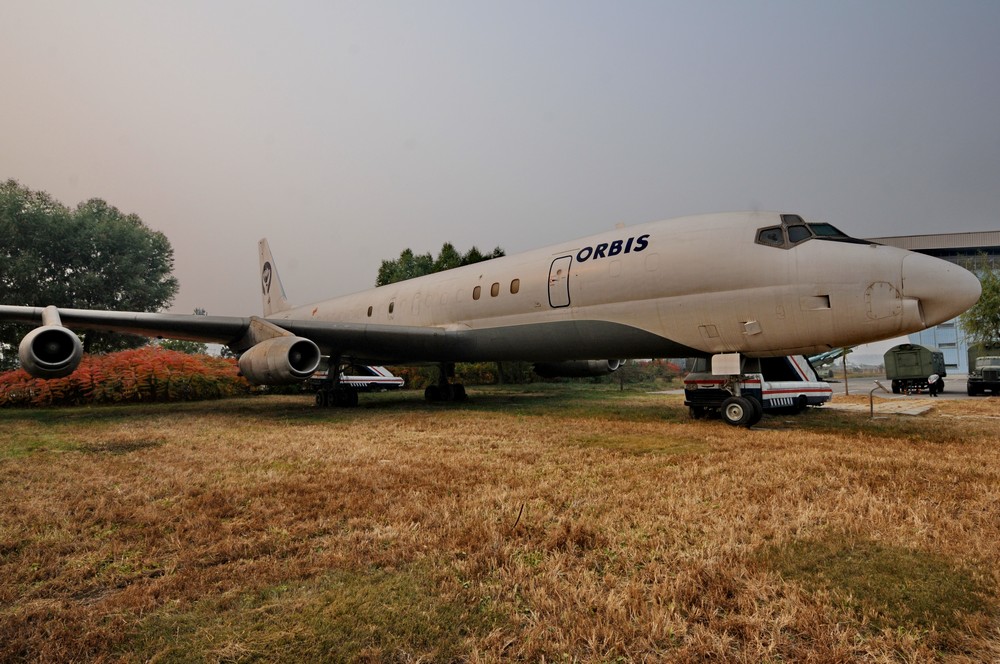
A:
{"points": [[576, 368], [50, 351], [280, 361]]}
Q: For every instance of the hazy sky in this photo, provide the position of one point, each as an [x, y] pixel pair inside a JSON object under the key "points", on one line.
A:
{"points": [[346, 132]]}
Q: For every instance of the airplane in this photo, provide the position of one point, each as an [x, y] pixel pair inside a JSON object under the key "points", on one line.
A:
{"points": [[760, 284], [823, 360]]}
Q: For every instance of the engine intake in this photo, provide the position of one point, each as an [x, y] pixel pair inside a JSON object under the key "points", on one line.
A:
{"points": [[280, 361], [577, 368], [50, 351]]}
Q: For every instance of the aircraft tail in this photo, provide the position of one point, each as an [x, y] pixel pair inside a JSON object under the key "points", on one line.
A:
{"points": [[270, 282]]}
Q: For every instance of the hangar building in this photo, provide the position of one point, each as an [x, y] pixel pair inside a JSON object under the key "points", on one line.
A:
{"points": [[961, 248]]}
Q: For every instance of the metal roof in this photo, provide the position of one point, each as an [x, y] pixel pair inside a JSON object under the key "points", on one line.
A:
{"points": [[945, 241]]}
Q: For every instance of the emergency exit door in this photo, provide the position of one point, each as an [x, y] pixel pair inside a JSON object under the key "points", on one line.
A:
{"points": [[559, 282]]}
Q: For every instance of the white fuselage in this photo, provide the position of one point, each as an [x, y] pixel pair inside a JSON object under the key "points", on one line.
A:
{"points": [[704, 284]]}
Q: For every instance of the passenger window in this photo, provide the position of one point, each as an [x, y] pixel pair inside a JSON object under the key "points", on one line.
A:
{"points": [[392, 305], [476, 292], [515, 286], [772, 237], [495, 290], [369, 312], [798, 234]]}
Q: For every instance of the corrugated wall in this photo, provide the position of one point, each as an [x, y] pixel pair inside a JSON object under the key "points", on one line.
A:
{"points": [[977, 240]]}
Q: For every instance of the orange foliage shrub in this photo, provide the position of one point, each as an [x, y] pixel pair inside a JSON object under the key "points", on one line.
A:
{"points": [[144, 374]]}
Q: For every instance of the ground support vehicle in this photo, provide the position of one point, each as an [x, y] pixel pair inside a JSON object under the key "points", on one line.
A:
{"points": [[772, 384], [985, 376], [909, 367], [344, 390]]}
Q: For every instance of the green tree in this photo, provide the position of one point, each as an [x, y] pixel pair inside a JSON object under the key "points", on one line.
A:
{"points": [[181, 346], [410, 265], [982, 321], [91, 257], [447, 258], [189, 347], [407, 266]]}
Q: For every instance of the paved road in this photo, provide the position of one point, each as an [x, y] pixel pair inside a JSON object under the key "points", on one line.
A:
{"points": [[954, 388]]}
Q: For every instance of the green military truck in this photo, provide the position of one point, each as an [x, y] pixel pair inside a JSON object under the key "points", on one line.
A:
{"points": [[984, 369], [909, 366]]}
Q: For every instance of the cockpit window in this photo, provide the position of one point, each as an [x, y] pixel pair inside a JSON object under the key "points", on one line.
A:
{"points": [[798, 233], [794, 231], [831, 232], [771, 236], [826, 230]]}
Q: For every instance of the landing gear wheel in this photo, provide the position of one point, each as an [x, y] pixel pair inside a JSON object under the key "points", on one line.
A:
{"points": [[737, 411], [447, 392], [346, 398], [339, 398], [758, 411]]}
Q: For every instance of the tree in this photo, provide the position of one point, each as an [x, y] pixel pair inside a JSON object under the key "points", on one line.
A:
{"points": [[410, 265], [183, 346], [407, 266], [982, 321], [91, 257]]}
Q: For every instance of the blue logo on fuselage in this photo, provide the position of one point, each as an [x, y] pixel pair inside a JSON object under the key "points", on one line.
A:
{"points": [[608, 249]]}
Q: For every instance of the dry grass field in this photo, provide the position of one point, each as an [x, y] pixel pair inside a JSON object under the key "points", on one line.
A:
{"points": [[544, 523]]}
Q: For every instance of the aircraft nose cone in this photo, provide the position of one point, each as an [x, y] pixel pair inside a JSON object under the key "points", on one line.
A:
{"points": [[944, 289]]}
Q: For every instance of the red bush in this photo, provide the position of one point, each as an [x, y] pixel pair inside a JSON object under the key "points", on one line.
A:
{"points": [[145, 374]]}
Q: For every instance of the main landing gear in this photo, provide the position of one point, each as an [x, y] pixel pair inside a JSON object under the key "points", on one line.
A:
{"points": [[445, 391], [338, 397], [331, 393]]}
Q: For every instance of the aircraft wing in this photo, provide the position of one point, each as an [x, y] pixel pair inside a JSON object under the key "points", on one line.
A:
{"points": [[829, 356], [211, 329], [373, 342], [386, 344]]}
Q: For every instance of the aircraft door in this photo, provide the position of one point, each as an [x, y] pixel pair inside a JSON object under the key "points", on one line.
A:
{"points": [[559, 282]]}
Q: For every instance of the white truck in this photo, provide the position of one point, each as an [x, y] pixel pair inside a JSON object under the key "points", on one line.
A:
{"points": [[365, 378], [772, 384], [344, 392]]}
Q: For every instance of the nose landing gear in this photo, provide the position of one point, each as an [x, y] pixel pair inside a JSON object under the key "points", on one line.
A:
{"points": [[740, 411], [732, 394]]}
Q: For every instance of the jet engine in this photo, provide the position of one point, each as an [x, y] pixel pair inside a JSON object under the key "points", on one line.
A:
{"points": [[50, 351], [280, 361], [577, 368]]}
